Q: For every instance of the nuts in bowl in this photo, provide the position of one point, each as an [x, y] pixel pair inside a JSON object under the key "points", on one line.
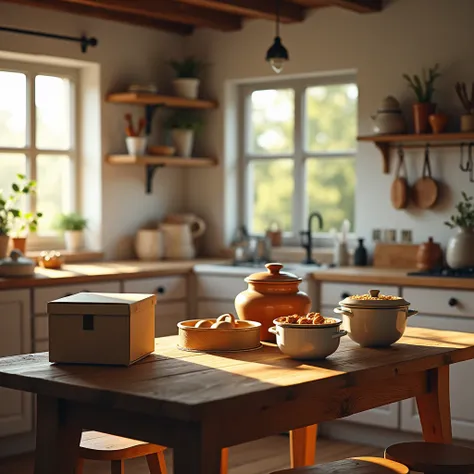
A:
{"points": [[315, 319]]}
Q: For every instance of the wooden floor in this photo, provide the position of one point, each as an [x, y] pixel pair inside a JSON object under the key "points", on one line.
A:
{"points": [[258, 457]]}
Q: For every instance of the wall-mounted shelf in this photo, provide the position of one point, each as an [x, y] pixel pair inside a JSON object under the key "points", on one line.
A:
{"points": [[385, 142], [153, 163], [133, 98]]}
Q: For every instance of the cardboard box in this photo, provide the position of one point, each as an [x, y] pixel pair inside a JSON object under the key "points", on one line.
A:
{"points": [[101, 328]]}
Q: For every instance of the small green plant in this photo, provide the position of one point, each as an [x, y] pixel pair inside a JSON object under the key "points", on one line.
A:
{"points": [[464, 218], [424, 87], [4, 216], [184, 120], [188, 68], [71, 221], [22, 221]]}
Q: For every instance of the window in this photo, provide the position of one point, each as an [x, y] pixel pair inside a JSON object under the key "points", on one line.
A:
{"points": [[38, 136], [299, 142]]}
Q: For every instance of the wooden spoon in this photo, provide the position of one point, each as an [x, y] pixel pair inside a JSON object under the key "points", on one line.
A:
{"points": [[425, 190], [399, 189]]}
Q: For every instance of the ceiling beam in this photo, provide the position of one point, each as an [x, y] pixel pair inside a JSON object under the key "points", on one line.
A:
{"points": [[289, 12], [359, 6], [85, 10], [169, 11]]}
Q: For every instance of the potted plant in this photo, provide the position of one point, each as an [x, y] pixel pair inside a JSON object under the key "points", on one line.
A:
{"points": [[4, 226], [467, 119], [73, 225], [424, 90], [22, 221], [460, 250], [187, 80], [183, 125], [135, 140]]}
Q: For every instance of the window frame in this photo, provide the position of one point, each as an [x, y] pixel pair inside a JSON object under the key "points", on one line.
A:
{"points": [[31, 70], [300, 155]]}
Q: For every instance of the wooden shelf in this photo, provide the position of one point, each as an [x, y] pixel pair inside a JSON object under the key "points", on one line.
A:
{"points": [[153, 163], [134, 98], [385, 142]]}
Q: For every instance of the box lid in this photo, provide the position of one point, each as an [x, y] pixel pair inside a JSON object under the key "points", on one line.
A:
{"points": [[106, 304]]}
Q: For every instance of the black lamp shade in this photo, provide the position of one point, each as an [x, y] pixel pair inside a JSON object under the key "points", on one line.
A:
{"points": [[277, 50]]}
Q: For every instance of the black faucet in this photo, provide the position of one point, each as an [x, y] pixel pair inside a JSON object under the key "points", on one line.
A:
{"points": [[307, 237]]}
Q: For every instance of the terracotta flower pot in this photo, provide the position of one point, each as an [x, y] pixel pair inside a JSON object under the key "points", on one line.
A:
{"points": [[19, 243], [421, 112], [4, 239], [438, 122]]}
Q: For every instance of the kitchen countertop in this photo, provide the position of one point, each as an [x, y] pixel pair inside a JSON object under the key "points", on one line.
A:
{"points": [[102, 271], [389, 276]]}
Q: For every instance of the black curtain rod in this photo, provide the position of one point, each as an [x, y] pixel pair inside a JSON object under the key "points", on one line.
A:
{"points": [[84, 41]]}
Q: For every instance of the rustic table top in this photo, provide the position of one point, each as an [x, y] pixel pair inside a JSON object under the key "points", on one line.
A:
{"points": [[189, 386]]}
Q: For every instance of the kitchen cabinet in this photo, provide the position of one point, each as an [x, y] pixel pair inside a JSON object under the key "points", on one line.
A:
{"points": [[331, 293], [16, 414], [172, 304], [461, 376]]}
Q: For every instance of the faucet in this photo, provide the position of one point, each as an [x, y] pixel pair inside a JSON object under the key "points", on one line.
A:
{"points": [[307, 237]]}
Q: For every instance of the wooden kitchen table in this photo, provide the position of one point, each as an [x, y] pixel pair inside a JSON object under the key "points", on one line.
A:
{"points": [[199, 404]]}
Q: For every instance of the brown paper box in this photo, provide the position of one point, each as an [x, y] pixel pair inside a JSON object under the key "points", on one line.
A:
{"points": [[101, 328]]}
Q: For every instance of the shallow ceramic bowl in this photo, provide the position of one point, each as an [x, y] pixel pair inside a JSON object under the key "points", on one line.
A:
{"points": [[161, 150], [246, 336], [308, 341]]}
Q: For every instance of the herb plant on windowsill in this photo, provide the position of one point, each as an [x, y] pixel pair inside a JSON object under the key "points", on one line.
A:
{"points": [[73, 225], [460, 250]]}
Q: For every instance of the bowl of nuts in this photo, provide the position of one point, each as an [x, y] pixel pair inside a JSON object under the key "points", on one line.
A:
{"points": [[310, 336]]}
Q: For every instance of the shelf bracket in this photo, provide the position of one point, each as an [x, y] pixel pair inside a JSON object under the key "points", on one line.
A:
{"points": [[150, 172], [385, 150], [149, 113]]}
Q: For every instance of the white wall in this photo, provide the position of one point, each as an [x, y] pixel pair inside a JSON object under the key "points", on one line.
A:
{"points": [[406, 36], [125, 54]]}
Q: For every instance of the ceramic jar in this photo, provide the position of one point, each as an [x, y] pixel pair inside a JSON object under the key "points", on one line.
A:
{"points": [[421, 112], [429, 255], [467, 123], [389, 118], [178, 241], [149, 244], [270, 295], [460, 250]]}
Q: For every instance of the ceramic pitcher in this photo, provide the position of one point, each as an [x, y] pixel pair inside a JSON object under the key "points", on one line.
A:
{"points": [[197, 225], [178, 241]]}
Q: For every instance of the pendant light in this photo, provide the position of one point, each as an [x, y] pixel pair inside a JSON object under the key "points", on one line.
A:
{"points": [[277, 54]]}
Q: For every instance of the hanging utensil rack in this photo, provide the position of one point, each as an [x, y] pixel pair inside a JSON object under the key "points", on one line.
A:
{"points": [[84, 41]]}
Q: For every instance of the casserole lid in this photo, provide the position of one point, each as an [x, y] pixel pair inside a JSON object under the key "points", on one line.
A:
{"points": [[374, 299], [273, 275]]}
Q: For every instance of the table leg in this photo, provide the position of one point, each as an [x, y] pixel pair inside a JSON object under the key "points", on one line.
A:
{"points": [[57, 438], [303, 446], [434, 407]]}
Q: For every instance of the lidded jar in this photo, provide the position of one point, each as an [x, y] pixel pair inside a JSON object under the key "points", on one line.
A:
{"points": [[270, 295]]}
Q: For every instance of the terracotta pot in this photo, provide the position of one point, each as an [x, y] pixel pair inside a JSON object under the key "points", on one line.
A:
{"points": [[438, 122], [270, 295], [421, 112], [429, 255], [467, 123], [4, 239], [19, 243]]}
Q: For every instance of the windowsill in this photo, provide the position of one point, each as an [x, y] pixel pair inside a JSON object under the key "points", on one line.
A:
{"points": [[71, 257]]}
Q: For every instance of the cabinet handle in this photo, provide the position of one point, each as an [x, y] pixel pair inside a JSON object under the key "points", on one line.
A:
{"points": [[161, 290], [345, 295], [453, 302]]}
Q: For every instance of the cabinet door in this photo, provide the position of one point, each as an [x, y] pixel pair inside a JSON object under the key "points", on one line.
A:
{"points": [[461, 382], [166, 288], [15, 338], [210, 309]]}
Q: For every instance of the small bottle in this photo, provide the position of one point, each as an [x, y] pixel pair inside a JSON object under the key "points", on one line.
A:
{"points": [[360, 255]]}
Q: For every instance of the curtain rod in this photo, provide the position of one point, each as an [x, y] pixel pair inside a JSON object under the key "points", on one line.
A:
{"points": [[84, 41]]}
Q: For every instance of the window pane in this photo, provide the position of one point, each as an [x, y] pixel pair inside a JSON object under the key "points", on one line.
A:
{"points": [[53, 114], [330, 184], [11, 164], [272, 121], [271, 192], [331, 117], [53, 194], [12, 109]]}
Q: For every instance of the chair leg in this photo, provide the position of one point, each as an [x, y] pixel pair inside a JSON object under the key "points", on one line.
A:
{"points": [[117, 467], [79, 466], [156, 463]]}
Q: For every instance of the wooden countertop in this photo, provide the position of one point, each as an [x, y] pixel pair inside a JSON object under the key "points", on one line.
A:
{"points": [[389, 276], [102, 271]]}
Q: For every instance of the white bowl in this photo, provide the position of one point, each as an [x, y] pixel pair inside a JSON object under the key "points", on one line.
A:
{"points": [[308, 342]]}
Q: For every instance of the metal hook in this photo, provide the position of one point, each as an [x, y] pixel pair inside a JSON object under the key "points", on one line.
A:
{"points": [[470, 163], [462, 166]]}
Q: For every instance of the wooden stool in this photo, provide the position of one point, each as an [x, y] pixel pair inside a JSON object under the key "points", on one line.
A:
{"points": [[104, 447], [363, 465], [433, 458]]}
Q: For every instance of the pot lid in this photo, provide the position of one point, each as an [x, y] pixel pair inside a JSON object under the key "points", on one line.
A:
{"points": [[16, 259], [273, 275], [374, 299]]}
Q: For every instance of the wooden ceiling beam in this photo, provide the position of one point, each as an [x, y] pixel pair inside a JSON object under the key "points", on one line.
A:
{"points": [[85, 10], [169, 11], [359, 6], [289, 12]]}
